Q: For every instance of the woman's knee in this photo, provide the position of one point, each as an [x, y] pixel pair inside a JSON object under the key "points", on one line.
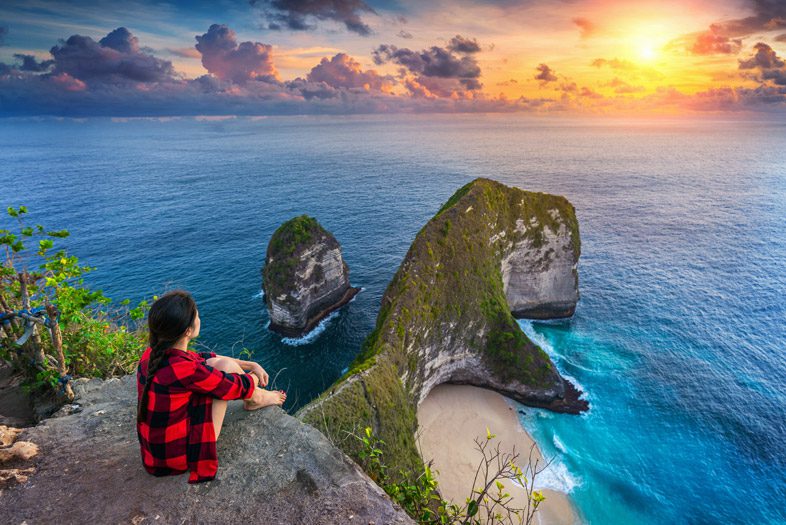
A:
{"points": [[224, 364]]}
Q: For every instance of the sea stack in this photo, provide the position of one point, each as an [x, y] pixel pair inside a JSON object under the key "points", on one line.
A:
{"points": [[491, 254], [305, 277]]}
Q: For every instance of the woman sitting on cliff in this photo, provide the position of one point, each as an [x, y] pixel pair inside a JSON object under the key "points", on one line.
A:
{"points": [[183, 395]]}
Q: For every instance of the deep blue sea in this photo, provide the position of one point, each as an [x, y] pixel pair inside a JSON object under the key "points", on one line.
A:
{"points": [[679, 338]]}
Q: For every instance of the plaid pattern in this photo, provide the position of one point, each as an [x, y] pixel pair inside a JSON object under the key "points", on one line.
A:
{"points": [[178, 434]]}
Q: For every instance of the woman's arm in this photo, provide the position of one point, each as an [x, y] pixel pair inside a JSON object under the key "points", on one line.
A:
{"points": [[198, 377], [250, 366]]}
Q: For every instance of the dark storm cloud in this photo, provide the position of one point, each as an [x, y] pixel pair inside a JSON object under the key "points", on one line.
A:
{"points": [[765, 58], [223, 57], [545, 74], [771, 67], [767, 15], [433, 62], [30, 63], [299, 15], [121, 40], [115, 59], [3, 34], [460, 44], [436, 71]]}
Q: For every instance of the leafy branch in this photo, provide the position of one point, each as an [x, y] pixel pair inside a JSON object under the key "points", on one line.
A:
{"points": [[53, 325], [489, 501]]}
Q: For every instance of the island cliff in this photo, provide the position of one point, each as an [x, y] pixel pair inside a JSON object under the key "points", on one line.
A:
{"points": [[304, 277], [491, 252]]}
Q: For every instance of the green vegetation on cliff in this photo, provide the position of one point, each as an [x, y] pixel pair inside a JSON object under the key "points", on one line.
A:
{"points": [[52, 325], [282, 249], [448, 286]]}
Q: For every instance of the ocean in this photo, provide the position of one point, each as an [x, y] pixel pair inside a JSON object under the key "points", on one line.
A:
{"points": [[679, 336]]}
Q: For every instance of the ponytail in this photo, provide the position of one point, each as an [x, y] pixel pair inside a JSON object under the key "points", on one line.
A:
{"points": [[169, 318]]}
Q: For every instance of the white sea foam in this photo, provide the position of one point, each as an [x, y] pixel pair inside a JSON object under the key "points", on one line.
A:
{"points": [[258, 295], [556, 477], [559, 444], [539, 339], [313, 334], [317, 331]]}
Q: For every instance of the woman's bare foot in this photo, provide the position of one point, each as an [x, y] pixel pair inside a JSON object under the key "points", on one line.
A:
{"points": [[263, 398]]}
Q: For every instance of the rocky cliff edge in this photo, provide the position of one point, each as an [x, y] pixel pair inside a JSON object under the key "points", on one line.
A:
{"points": [[272, 469]]}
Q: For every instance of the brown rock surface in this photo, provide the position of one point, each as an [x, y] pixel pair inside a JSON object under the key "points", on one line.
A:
{"points": [[272, 469]]}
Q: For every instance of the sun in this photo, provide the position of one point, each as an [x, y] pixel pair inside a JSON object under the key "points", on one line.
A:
{"points": [[647, 52]]}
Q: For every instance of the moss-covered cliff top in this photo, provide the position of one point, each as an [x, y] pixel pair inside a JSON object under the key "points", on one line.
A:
{"points": [[450, 273], [447, 296], [283, 249]]}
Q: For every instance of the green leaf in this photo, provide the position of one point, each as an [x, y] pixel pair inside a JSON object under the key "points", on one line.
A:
{"points": [[44, 245], [472, 508]]}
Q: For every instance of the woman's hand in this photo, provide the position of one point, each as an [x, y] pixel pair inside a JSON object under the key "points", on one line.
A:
{"points": [[258, 371]]}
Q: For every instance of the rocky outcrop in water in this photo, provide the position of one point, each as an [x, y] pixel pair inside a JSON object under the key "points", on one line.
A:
{"points": [[305, 277], [491, 253], [272, 469]]}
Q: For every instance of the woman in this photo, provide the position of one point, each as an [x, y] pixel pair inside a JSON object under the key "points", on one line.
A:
{"points": [[183, 395]]}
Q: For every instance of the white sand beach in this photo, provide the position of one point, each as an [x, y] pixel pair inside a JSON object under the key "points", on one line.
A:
{"points": [[451, 417]]}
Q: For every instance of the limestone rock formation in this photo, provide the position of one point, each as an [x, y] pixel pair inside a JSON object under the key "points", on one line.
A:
{"points": [[272, 469], [448, 316], [305, 276]]}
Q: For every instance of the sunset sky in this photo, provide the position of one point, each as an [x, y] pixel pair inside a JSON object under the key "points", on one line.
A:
{"points": [[149, 58]]}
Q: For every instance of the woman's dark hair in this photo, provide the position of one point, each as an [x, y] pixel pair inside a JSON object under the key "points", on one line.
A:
{"points": [[169, 318]]}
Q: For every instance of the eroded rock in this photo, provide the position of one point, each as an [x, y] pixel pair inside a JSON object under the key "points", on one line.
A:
{"points": [[305, 277]]}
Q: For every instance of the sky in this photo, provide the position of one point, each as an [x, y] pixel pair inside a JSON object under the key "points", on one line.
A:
{"points": [[146, 58]]}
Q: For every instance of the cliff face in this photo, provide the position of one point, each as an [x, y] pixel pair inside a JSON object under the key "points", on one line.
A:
{"points": [[447, 316], [540, 277], [272, 469], [305, 277]]}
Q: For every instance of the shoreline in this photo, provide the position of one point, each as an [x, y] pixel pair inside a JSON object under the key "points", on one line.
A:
{"points": [[451, 417]]}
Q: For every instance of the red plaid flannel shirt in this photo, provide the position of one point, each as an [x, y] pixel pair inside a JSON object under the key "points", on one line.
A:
{"points": [[178, 434]]}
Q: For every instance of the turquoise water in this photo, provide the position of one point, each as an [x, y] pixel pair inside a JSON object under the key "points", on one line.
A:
{"points": [[678, 338]]}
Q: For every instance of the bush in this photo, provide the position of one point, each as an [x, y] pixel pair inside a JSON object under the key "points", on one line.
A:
{"points": [[73, 330]]}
